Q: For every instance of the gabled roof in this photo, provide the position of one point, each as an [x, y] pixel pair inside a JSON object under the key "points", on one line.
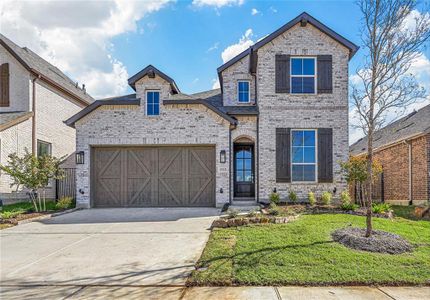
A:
{"points": [[149, 70], [302, 18], [414, 124], [40, 67], [121, 100], [9, 119]]}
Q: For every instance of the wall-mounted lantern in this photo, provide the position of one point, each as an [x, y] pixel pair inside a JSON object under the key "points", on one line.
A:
{"points": [[80, 158], [222, 156], [274, 190]]}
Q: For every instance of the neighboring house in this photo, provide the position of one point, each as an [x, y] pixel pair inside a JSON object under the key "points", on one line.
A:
{"points": [[279, 122], [403, 149], [35, 100]]}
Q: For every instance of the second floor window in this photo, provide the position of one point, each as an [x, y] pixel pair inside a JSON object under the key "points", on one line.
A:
{"points": [[303, 75], [4, 85], [44, 148], [243, 91], [152, 103]]}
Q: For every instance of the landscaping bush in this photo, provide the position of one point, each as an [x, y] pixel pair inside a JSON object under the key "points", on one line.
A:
{"points": [[311, 198], [326, 198], [274, 198], [252, 213], [274, 209], [346, 202], [349, 206], [380, 208], [64, 203], [232, 213], [293, 196]]}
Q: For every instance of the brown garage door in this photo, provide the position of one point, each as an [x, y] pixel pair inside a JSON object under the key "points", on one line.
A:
{"points": [[153, 176]]}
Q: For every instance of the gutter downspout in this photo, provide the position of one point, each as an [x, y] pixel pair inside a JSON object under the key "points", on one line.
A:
{"points": [[257, 148], [230, 164], [409, 143], [33, 122]]}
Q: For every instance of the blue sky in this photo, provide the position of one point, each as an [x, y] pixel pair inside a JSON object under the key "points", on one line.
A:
{"points": [[103, 43], [187, 42]]}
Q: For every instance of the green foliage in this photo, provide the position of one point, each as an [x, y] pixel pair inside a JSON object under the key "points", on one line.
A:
{"points": [[232, 213], [252, 213], [346, 202], [64, 203], [293, 196], [355, 169], [380, 208], [274, 210], [349, 206], [274, 198], [312, 199], [34, 174], [326, 198]]}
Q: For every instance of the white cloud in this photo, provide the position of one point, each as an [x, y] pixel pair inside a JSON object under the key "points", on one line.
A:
{"points": [[195, 80], [244, 43], [79, 41], [217, 3], [254, 11], [410, 22], [273, 10], [213, 47], [215, 84]]}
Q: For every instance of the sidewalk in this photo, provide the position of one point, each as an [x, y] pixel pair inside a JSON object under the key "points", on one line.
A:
{"points": [[206, 293]]}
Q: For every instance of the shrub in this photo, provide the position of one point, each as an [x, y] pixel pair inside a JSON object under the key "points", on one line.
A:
{"points": [[311, 198], [326, 198], [380, 208], [274, 198], [274, 210], [232, 213], [252, 213], [349, 206], [9, 214], [64, 203], [345, 198], [293, 196]]}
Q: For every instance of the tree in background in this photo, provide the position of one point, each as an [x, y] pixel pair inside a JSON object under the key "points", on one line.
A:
{"points": [[34, 174], [393, 33]]}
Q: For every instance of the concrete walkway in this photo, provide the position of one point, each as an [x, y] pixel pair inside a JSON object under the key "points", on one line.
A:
{"points": [[215, 293]]}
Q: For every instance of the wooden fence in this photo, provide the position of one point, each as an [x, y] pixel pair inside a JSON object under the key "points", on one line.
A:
{"points": [[66, 187]]}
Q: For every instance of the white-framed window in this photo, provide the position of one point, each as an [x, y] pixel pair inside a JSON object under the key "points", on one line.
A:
{"points": [[303, 75], [44, 148], [303, 155], [243, 91], [152, 103]]}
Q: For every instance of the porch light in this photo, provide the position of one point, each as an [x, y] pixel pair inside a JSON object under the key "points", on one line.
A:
{"points": [[274, 190], [222, 157], [80, 158]]}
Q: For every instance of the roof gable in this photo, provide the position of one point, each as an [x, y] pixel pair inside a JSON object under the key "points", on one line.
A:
{"points": [[48, 72], [150, 71], [303, 18]]}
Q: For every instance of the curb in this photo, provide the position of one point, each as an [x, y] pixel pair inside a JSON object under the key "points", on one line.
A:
{"points": [[48, 216]]}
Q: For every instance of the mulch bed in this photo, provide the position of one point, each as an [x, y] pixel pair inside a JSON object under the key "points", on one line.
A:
{"points": [[15, 220], [379, 241], [242, 221]]}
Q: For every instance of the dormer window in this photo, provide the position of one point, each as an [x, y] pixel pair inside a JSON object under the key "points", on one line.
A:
{"points": [[243, 91], [303, 75], [152, 103]]}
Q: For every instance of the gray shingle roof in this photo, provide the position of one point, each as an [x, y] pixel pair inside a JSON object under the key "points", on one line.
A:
{"points": [[35, 63], [415, 123], [8, 118]]}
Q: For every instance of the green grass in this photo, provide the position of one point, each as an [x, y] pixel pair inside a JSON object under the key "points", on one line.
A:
{"points": [[12, 210], [302, 252]]}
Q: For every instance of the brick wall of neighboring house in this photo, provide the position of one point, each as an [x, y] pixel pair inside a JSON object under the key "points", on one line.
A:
{"points": [[129, 125], [19, 81], [395, 162], [301, 111]]}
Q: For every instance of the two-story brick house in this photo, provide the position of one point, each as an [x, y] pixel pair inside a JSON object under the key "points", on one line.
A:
{"points": [[279, 122], [35, 100]]}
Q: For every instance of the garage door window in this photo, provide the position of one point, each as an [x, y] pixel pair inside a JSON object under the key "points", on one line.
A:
{"points": [[152, 103]]}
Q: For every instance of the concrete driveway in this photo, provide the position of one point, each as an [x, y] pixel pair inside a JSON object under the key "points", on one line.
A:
{"points": [[129, 246]]}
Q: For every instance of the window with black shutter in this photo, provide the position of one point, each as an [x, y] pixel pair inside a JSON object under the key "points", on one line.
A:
{"points": [[325, 76], [325, 155], [283, 167], [4, 85], [282, 73]]}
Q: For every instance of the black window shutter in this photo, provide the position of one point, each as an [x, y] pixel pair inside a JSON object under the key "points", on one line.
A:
{"points": [[4, 85], [324, 74], [282, 73], [283, 173], [325, 155]]}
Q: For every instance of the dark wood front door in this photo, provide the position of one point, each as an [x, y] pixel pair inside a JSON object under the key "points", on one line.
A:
{"points": [[244, 171], [153, 176]]}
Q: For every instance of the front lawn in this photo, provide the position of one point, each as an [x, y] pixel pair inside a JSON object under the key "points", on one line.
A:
{"points": [[302, 252]]}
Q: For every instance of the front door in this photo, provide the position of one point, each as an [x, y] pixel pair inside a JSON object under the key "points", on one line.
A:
{"points": [[244, 171]]}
